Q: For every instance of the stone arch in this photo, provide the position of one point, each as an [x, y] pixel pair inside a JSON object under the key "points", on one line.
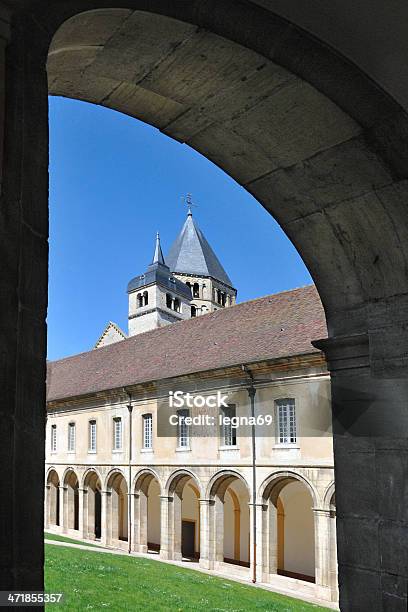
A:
{"points": [[116, 509], [331, 227], [178, 479], [329, 496], [147, 490], [52, 505], [85, 476], [220, 480], [70, 500], [229, 519], [289, 542], [278, 480], [143, 477], [92, 504], [182, 516], [110, 476]]}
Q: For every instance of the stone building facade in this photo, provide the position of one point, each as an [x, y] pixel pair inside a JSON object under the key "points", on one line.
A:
{"points": [[116, 472]]}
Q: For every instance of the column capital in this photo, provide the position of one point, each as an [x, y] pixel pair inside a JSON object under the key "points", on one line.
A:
{"points": [[345, 352], [205, 501], [322, 511], [168, 498]]}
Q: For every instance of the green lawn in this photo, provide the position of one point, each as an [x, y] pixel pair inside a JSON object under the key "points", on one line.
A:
{"points": [[100, 581], [60, 538]]}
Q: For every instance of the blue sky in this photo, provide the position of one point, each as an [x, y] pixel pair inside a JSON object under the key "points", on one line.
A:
{"points": [[114, 182]]}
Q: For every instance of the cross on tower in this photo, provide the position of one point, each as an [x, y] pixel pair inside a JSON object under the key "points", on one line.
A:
{"points": [[187, 200]]}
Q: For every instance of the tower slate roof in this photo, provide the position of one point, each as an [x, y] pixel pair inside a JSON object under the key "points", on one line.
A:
{"points": [[190, 253], [158, 272]]}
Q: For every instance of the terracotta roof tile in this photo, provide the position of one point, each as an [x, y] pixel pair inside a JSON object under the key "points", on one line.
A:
{"points": [[271, 327]]}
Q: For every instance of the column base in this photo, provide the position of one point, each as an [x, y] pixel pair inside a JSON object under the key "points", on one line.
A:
{"points": [[205, 564]]}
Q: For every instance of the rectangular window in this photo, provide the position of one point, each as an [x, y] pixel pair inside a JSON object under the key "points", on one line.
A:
{"points": [[286, 419], [147, 431], [92, 436], [53, 438], [183, 430], [228, 433], [117, 433], [71, 437]]}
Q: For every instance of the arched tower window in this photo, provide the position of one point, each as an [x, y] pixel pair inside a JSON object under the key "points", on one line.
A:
{"points": [[193, 311], [189, 286], [196, 290], [145, 298], [139, 300], [169, 300], [177, 305]]}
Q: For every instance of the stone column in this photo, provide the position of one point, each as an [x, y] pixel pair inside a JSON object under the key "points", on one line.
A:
{"points": [[23, 296], [175, 528], [47, 506], [205, 543], [369, 381], [322, 551], [82, 512], [140, 522], [64, 508], [166, 536], [105, 519], [269, 540], [259, 509], [218, 530]]}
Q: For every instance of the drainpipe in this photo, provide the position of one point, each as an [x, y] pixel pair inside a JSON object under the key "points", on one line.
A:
{"points": [[251, 393], [130, 409]]}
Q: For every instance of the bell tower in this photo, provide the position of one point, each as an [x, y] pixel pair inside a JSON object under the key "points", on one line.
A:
{"points": [[156, 298], [192, 260]]}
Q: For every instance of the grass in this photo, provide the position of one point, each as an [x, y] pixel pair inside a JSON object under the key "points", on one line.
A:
{"points": [[100, 581], [60, 538]]}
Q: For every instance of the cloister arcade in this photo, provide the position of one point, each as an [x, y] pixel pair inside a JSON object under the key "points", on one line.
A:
{"points": [[183, 516], [331, 167]]}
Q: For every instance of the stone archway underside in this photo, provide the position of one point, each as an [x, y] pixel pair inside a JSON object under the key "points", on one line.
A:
{"points": [[316, 142]]}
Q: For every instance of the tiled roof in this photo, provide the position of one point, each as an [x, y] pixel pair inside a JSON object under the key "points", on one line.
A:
{"points": [[191, 254], [272, 327]]}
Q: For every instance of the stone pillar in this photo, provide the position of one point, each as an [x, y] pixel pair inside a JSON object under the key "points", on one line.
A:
{"points": [[269, 539], [23, 296], [175, 527], [322, 551], [89, 513], [205, 543], [105, 519], [259, 509], [82, 512], [64, 508], [218, 529], [166, 537], [47, 506], [370, 437], [140, 522]]}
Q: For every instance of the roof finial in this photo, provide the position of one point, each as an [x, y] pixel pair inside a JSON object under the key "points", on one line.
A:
{"points": [[189, 203], [158, 253]]}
